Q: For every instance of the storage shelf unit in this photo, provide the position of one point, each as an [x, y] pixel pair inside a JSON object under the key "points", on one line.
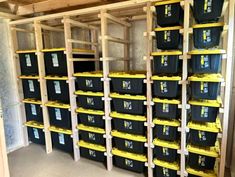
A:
{"points": [[103, 16]]}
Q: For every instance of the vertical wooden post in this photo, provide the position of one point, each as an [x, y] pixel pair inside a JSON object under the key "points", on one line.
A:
{"points": [[104, 31], [71, 83], [43, 88], [126, 49], [149, 88], [94, 39]]}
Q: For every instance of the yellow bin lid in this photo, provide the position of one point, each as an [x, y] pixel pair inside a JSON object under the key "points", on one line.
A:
{"points": [[206, 78], [127, 116], [207, 151], [208, 25], [28, 77], [169, 28], [133, 156], [131, 75], [90, 111], [89, 93], [34, 124], [177, 52], [166, 2], [32, 101], [60, 130], [172, 166], [207, 52], [26, 51], [128, 136], [127, 96], [209, 103], [166, 78], [206, 173], [74, 50], [167, 144], [90, 129], [214, 127], [55, 104], [173, 123], [56, 77], [89, 74], [95, 147], [167, 101]]}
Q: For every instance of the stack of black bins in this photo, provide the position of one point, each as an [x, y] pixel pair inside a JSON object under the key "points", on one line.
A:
{"points": [[166, 86], [31, 95], [205, 83], [90, 112], [128, 117]]}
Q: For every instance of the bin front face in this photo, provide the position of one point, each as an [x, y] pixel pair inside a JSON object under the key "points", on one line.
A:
{"points": [[165, 89], [91, 120], [36, 135], [169, 15], [129, 164], [83, 66], [202, 138], [28, 64], [204, 113], [89, 84], [165, 154], [164, 132], [90, 102], [58, 90], [31, 88], [92, 154], [164, 172], [33, 112], [60, 117], [95, 138], [62, 141], [165, 110], [201, 162]]}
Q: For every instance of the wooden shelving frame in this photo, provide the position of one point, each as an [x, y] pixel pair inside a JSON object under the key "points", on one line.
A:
{"points": [[104, 16]]}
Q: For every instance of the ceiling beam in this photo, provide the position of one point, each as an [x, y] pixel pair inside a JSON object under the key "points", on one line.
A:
{"points": [[10, 16]]}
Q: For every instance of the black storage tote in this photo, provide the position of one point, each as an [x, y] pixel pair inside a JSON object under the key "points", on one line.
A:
{"points": [[59, 114], [35, 132], [206, 86], [31, 87], [92, 151], [91, 134], [203, 135], [129, 142], [128, 83], [166, 130], [166, 109], [57, 88], [90, 100], [133, 124], [129, 161], [166, 86], [168, 38], [166, 150], [61, 139], [89, 81], [166, 62], [28, 62], [129, 104], [89, 117], [206, 61], [169, 13], [205, 11], [204, 110], [163, 169], [207, 35], [33, 110]]}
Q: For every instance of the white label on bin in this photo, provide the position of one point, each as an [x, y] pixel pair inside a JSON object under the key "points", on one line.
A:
{"points": [[33, 109], [167, 36], [90, 101], [165, 172], [208, 6], [58, 114], [31, 86], [129, 163], [89, 83], [205, 61], [204, 111], [166, 130], [204, 87], [165, 151], [165, 107], [61, 138], [207, 36], [91, 119], [168, 10], [35, 133], [201, 160], [126, 85], [164, 60], [57, 87], [91, 136], [128, 125], [55, 60], [202, 135], [127, 105], [163, 87], [92, 153], [28, 60], [129, 144]]}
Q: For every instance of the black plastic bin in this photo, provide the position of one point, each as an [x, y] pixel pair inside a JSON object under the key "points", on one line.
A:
{"points": [[31, 87], [129, 142], [128, 123], [89, 81], [91, 134], [59, 114], [128, 83], [207, 35], [56, 63], [33, 110], [166, 109], [169, 38], [35, 132], [163, 169], [129, 161], [206, 61], [61, 139], [57, 88], [166, 86], [166, 150], [166, 130], [169, 13], [206, 86], [205, 11], [204, 110], [90, 100], [167, 62], [201, 162], [129, 104], [92, 151], [28, 62], [93, 118]]}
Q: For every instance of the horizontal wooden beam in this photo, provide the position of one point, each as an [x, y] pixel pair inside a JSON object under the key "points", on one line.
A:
{"points": [[50, 28], [10, 16], [81, 42], [117, 40], [117, 20], [80, 24]]}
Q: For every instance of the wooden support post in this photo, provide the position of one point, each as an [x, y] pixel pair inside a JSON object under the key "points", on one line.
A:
{"points": [[126, 49], [149, 88], [71, 82], [94, 39], [43, 88], [104, 31]]}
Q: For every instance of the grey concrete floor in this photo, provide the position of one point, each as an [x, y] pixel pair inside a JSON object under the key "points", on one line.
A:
{"points": [[32, 161]]}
